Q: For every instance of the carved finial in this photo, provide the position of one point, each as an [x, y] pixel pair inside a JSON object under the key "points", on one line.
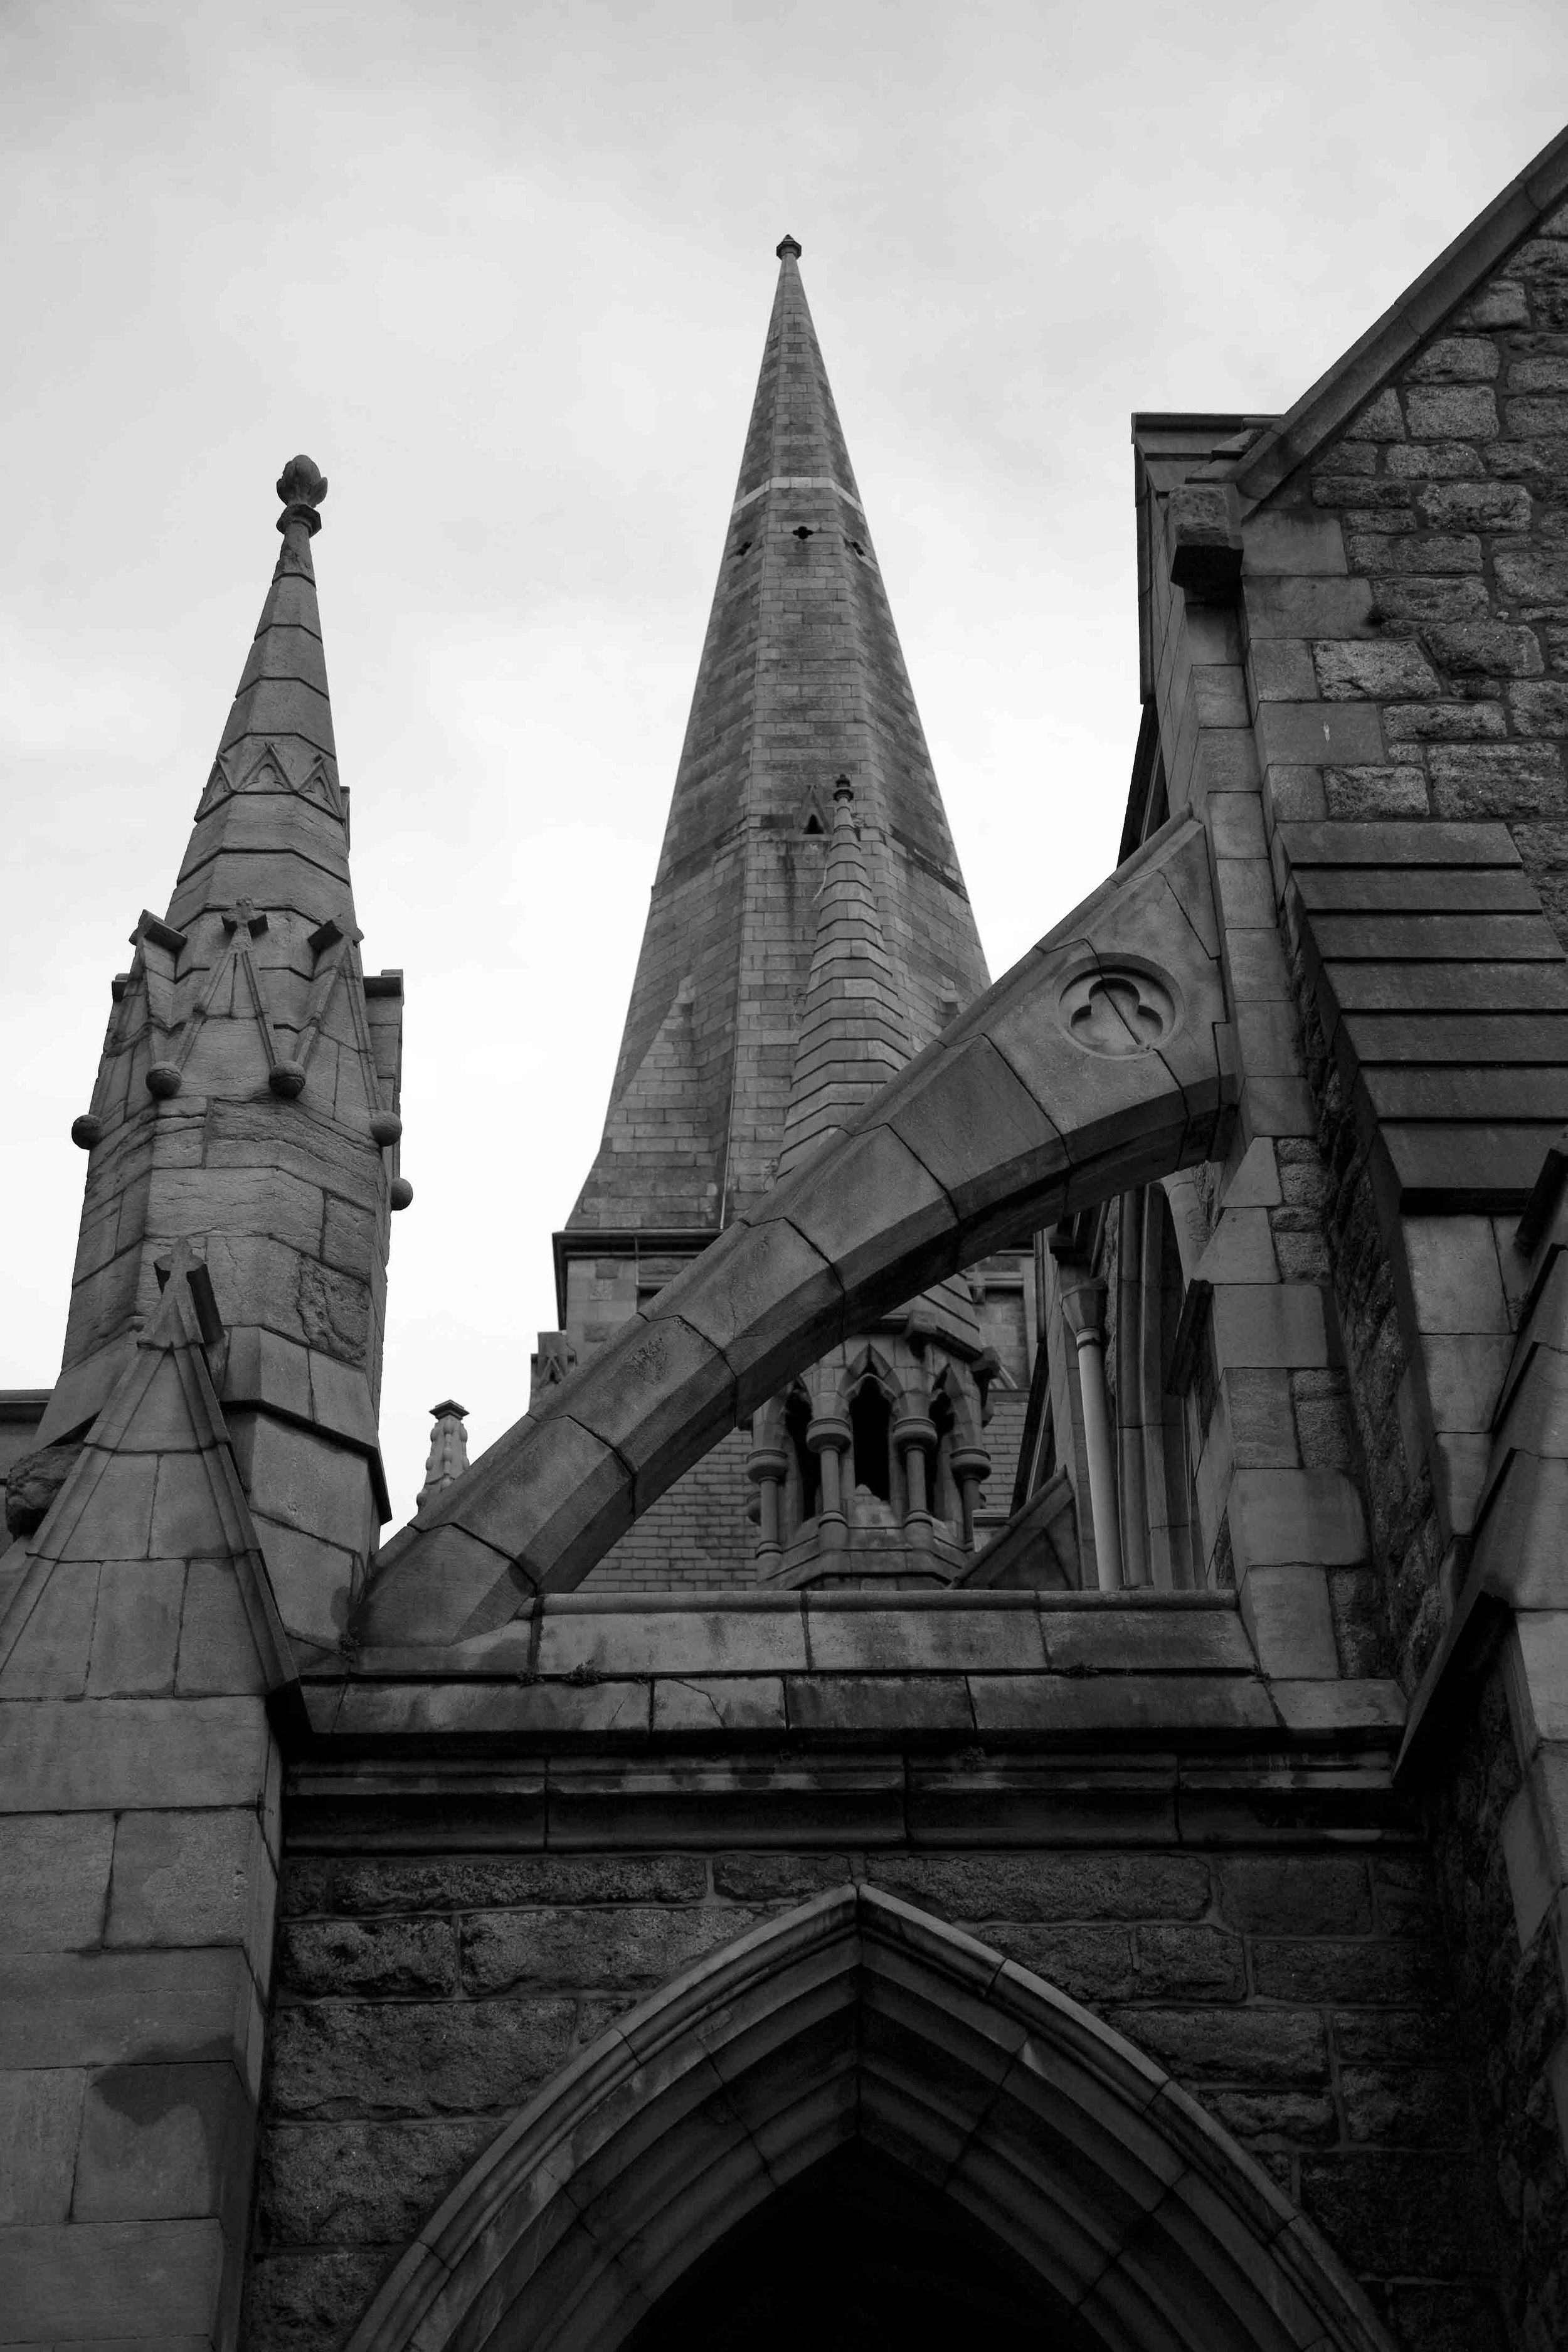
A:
{"points": [[302, 486], [843, 789], [790, 247], [448, 1450]]}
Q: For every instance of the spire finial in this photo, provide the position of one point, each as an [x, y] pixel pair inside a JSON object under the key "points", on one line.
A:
{"points": [[788, 246], [302, 486]]}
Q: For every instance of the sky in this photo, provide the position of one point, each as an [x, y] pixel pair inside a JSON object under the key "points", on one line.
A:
{"points": [[504, 272]]}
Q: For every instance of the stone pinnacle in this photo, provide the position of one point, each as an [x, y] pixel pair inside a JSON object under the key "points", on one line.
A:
{"points": [[789, 247]]}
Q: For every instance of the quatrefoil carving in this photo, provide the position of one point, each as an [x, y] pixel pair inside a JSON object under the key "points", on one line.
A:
{"points": [[1117, 1010]]}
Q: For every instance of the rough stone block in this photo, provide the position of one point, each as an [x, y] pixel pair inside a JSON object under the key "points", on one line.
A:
{"points": [[1468, 412], [1397, 2215], [54, 1868], [622, 1950], [1088, 1963], [1371, 1971], [334, 2059], [373, 1959], [356, 2182], [1360, 670], [1189, 1963], [1406, 2106], [777, 1878], [1243, 2046], [1296, 1894], [978, 1888]]}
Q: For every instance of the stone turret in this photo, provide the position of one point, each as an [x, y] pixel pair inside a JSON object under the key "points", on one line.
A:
{"points": [[246, 1106]]}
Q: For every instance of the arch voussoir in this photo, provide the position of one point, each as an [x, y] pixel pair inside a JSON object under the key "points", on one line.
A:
{"points": [[856, 2018]]}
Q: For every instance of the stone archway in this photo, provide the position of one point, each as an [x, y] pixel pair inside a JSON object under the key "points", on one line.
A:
{"points": [[857, 2019]]}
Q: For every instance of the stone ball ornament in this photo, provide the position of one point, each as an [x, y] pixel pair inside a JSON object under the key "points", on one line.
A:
{"points": [[163, 1080], [1118, 1010], [286, 1079], [400, 1192], [385, 1126], [87, 1130]]}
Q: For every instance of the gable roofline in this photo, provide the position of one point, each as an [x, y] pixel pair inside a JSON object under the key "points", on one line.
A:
{"points": [[1334, 399]]}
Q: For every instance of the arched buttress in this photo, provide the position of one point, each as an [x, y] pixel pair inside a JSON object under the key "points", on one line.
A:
{"points": [[1101, 1061]]}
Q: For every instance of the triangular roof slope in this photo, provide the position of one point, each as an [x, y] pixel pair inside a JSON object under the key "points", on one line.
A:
{"points": [[1331, 403]]}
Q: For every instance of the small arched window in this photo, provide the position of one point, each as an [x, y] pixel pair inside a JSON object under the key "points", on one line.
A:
{"points": [[871, 1427]]}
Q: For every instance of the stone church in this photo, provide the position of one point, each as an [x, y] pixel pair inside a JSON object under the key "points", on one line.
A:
{"points": [[988, 1760]]}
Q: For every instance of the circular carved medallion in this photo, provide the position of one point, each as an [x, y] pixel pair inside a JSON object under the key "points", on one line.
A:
{"points": [[1117, 1010]]}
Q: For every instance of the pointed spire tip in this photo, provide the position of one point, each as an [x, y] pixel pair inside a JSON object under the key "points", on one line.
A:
{"points": [[302, 486], [788, 246]]}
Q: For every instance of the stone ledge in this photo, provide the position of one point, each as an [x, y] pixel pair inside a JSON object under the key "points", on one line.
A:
{"points": [[1114, 1795]]}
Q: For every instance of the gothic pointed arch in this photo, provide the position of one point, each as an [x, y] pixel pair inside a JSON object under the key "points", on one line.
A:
{"points": [[856, 2018]]}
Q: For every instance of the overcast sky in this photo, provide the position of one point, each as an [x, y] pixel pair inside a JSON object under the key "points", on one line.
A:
{"points": [[504, 272]]}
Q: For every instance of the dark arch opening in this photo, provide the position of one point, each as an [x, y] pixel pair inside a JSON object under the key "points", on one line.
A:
{"points": [[870, 1426], [858, 2255]]}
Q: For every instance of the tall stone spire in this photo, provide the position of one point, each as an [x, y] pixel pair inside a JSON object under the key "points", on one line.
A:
{"points": [[246, 1108], [801, 677], [853, 1035]]}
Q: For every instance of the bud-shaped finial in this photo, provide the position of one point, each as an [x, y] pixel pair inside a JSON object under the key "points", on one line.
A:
{"points": [[843, 789], [789, 247], [302, 486]]}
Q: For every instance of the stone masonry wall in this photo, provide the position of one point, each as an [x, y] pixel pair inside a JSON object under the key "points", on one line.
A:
{"points": [[1512, 2001], [1452, 490], [1303, 1996]]}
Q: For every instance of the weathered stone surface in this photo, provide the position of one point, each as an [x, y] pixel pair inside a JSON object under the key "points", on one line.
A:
{"points": [[1191, 1963], [1369, 1972], [1301, 1894], [40, 2116], [362, 2183], [1233, 2045], [1415, 2216], [192, 1878], [309, 2299], [633, 1947], [1293, 2119], [777, 1878], [338, 2059], [1405, 2106], [1032, 1886], [480, 1882], [380, 1957], [1090, 1964], [54, 1868]]}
